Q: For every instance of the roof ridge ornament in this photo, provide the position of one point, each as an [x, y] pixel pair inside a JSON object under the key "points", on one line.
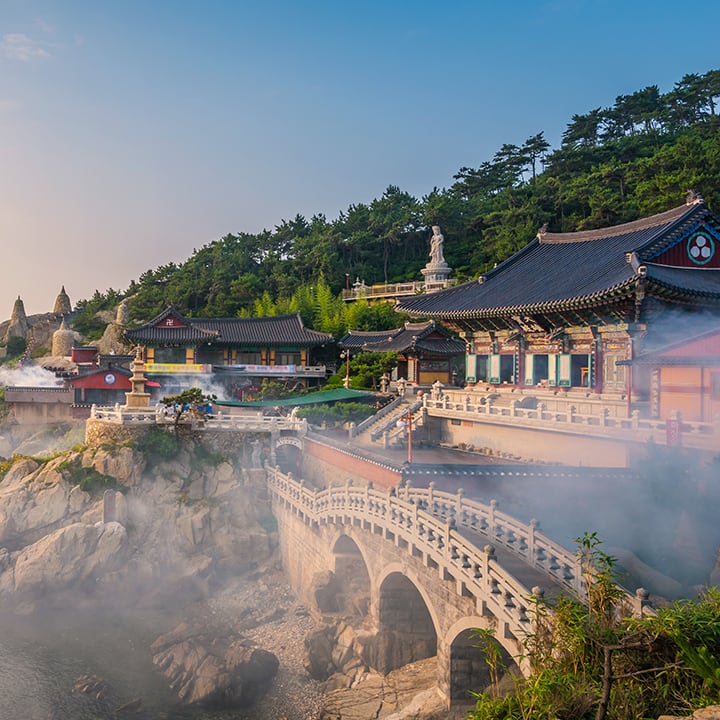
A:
{"points": [[542, 231], [693, 198]]}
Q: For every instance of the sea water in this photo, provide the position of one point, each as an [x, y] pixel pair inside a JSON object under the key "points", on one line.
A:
{"points": [[43, 655]]}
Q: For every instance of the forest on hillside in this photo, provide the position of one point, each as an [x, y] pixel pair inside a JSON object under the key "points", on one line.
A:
{"points": [[614, 164]]}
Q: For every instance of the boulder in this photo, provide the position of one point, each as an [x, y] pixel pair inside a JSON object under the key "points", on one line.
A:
{"points": [[36, 499], [69, 557], [225, 671]]}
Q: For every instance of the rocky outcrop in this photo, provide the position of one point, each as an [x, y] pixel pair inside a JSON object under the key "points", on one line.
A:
{"points": [[405, 694], [183, 525], [221, 672], [35, 500], [711, 712], [69, 558]]}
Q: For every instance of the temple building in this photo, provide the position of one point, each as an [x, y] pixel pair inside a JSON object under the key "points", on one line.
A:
{"points": [[238, 353], [684, 378], [569, 309], [426, 351]]}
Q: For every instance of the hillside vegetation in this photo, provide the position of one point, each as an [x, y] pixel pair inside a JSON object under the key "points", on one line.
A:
{"points": [[614, 164]]}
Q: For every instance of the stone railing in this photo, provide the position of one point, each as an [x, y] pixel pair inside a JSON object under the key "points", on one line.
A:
{"points": [[389, 427], [440, 543], [395, 289], [453, 404], [441, 525], [451, 511], [379, 415], [120, 415]]}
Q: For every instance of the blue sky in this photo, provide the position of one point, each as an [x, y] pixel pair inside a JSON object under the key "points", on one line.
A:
{"points": [[134, 132]]}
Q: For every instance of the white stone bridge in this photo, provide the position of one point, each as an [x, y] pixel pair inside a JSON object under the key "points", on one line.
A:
{"points": [[435, 566]]}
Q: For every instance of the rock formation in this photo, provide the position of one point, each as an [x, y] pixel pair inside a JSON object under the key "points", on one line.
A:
{"points": [[192, 525], [62, 306], [18, 326], [221, 672], [112, 342]]}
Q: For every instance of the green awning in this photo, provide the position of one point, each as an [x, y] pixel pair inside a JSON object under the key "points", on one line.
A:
{"points": [[325, 396]]}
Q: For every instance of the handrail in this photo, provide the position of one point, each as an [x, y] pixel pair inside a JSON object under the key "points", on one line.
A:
{"points": [[120, 415], [412, 407], [438, 539], [456, 405], [381, 413]]}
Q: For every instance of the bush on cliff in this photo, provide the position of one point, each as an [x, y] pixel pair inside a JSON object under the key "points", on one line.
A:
{"points": [[87, 478], [593, 661]]}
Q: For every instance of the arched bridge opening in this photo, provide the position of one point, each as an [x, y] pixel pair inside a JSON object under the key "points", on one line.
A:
{"points": [[353, 578], [406, 628], [477, 663]]}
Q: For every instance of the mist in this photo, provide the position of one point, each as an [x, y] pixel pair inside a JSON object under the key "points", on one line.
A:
{"points": [[28, 376]]}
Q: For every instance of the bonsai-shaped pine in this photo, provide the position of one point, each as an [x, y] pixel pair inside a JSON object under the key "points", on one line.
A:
{"points": [[193, 403]]}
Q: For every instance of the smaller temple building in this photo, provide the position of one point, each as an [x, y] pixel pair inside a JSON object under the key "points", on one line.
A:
{"points": [[427, 352], [234, 353]]}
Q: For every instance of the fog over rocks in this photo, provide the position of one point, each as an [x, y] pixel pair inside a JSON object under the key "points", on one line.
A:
{"points": [[183, 529]]}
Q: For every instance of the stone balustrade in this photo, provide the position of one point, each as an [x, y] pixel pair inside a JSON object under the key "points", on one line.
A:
{"points": [[459, 405], [417, 531], [445, 527], [120, 415], [449, 511]]}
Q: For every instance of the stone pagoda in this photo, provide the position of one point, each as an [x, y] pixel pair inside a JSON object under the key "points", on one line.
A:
{"points": [[137, 397]]}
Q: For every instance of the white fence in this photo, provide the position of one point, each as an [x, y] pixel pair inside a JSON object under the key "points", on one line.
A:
{"points": [[120, 415], [453, 404]]}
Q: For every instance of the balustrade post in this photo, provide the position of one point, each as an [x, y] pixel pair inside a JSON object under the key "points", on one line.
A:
{"points": [[640, 602], [487, 555], [431, 495], [571, 414], [459, 504], [491, 518], [532, 527], [513, 408], [541, 410], [467, 403], [447, 547], [635, 419]]}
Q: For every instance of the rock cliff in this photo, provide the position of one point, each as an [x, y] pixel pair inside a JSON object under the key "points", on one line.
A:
{"points": [[177, 528]]}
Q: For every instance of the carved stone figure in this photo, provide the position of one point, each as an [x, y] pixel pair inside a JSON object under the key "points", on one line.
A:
{"points": [[436, 246]]}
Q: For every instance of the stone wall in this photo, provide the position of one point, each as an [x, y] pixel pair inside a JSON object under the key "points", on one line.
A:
{"points": [[548, 446], [227, 442], [325, 465]]}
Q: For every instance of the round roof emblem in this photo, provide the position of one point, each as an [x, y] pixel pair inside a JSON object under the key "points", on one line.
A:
{"points": [[700, 247]]}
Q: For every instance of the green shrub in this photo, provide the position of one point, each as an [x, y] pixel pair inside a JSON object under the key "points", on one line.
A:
{"points": [[158, 443], [87, 478], [16, 346]]}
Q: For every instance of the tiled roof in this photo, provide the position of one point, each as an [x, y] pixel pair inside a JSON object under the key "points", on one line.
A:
{"points": [[556, 272], [411, 335], [280, 330]]}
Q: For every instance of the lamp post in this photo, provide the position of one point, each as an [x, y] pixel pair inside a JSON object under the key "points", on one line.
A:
{"points": [[345, 354]]}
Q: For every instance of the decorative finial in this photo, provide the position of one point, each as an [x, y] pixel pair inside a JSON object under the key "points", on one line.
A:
{"points": [[542, 230], [693, 198]]}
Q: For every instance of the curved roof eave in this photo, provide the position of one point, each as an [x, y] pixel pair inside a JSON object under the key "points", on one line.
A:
{"points": [[538, 308]]}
